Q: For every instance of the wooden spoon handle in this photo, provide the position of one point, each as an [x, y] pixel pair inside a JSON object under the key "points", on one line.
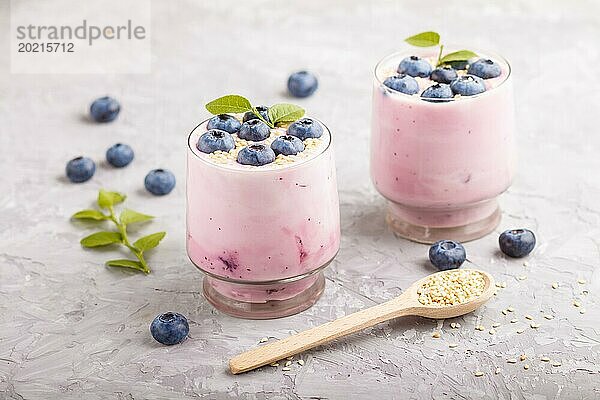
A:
{"points": [[319, 335]]}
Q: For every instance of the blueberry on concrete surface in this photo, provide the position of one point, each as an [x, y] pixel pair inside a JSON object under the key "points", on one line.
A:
{"points": [[447, 254], [105, 109], [119, 155], [517, 242], [169, 328], [80, 169], [302, 84], [159, 182]]}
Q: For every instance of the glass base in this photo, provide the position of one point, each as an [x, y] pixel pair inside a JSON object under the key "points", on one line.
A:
{"points": [[264, 301], [428, 225]]}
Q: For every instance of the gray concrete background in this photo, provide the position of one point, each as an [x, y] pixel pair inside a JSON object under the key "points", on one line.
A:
{"points": [[71, 328]]}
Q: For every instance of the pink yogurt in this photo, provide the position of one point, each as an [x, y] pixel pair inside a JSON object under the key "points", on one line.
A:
{"points": [[441, 165], [249, 225]]}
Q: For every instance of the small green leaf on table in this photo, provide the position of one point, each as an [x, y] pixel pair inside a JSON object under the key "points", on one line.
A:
{"points": [[101, 239], [124, 263], [424, 39], [461, 55], [149, 242], [108, 199], [284, 112], [89, 214], [232, 103], [129, 216]]}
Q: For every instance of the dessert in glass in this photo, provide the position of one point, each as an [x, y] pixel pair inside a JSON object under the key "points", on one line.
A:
{"points": [[262, 213], [442, 143]]}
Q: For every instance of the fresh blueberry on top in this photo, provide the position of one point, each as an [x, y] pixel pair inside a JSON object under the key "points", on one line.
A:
{"points": [[402, 83], [302, 84], [224, 122], [415, 66], [262, 110], [447, 254], [214, 140], [169, 328], [305, 128], [437, 91], [80, 169], [443, 75], [119, 155], [485, 68], [287, 145], [254, 130], [256, 154], [105, 109], [517, 242], [467, 85], [159, 182]]}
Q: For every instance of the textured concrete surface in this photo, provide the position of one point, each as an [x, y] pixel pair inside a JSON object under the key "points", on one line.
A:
{"points": [[71, 328]]}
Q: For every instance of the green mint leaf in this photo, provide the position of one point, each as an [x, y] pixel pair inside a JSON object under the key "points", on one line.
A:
{"points": [[89, 214], [108, 199], [101, 239], [124, 263], [232, 103], [424, 39], [149, 242], [285, 113], [129, 216], [461, 55]]}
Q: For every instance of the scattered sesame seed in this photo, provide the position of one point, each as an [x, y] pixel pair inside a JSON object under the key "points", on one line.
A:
{"points": [[534, 325], [458, 325], [512, 361], [519, 331], [504, 312], [585, 293], [577, 303], [453, 325], [274, 364], [287, 363], [478, 373], [496, 325], [510, 309], [492, 331], [526, 366], [514, 321], [581, 281], [498, 370], [290, 358], [262, 340], [528, 317], [521, 277], [480, 328], [286, 369], [548, 316], [525, 264], [436, 335], [301, 362], [451, 287], [556, 364], [582, 311], [544, 359], [501, 285], [523, 357], [452, 345], [555, 285]]}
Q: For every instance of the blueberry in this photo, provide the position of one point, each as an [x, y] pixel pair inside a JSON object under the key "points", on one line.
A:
{"points": [[214, 140], [437, 91], [224, 122], [256, 154], [517, 242], [287, 145], [169, 328], [254, 130], [467, 85], [305, 128], [302, 84], [415, 66], [402, 83], [485, 68], [80, 169], [262, 110], [119, 155], [443, 75], [447, 254], [105, 109], [159, 182]]}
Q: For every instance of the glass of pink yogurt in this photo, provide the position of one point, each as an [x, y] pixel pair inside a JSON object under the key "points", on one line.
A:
{"points": [[262, 234], [442, 162]]}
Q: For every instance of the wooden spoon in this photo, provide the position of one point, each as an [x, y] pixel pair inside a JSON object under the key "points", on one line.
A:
{"points": [[405, 304]]}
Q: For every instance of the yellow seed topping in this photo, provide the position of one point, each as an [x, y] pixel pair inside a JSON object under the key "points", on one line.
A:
{"points": [[451, 287]]}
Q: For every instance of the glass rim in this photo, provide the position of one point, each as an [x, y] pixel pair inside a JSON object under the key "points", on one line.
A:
{"points": [[490, 54], [258, 169]]}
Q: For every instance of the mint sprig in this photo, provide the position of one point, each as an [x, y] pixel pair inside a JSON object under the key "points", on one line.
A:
{"points": [[430, 39], [106, 201], [236, 104]]}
